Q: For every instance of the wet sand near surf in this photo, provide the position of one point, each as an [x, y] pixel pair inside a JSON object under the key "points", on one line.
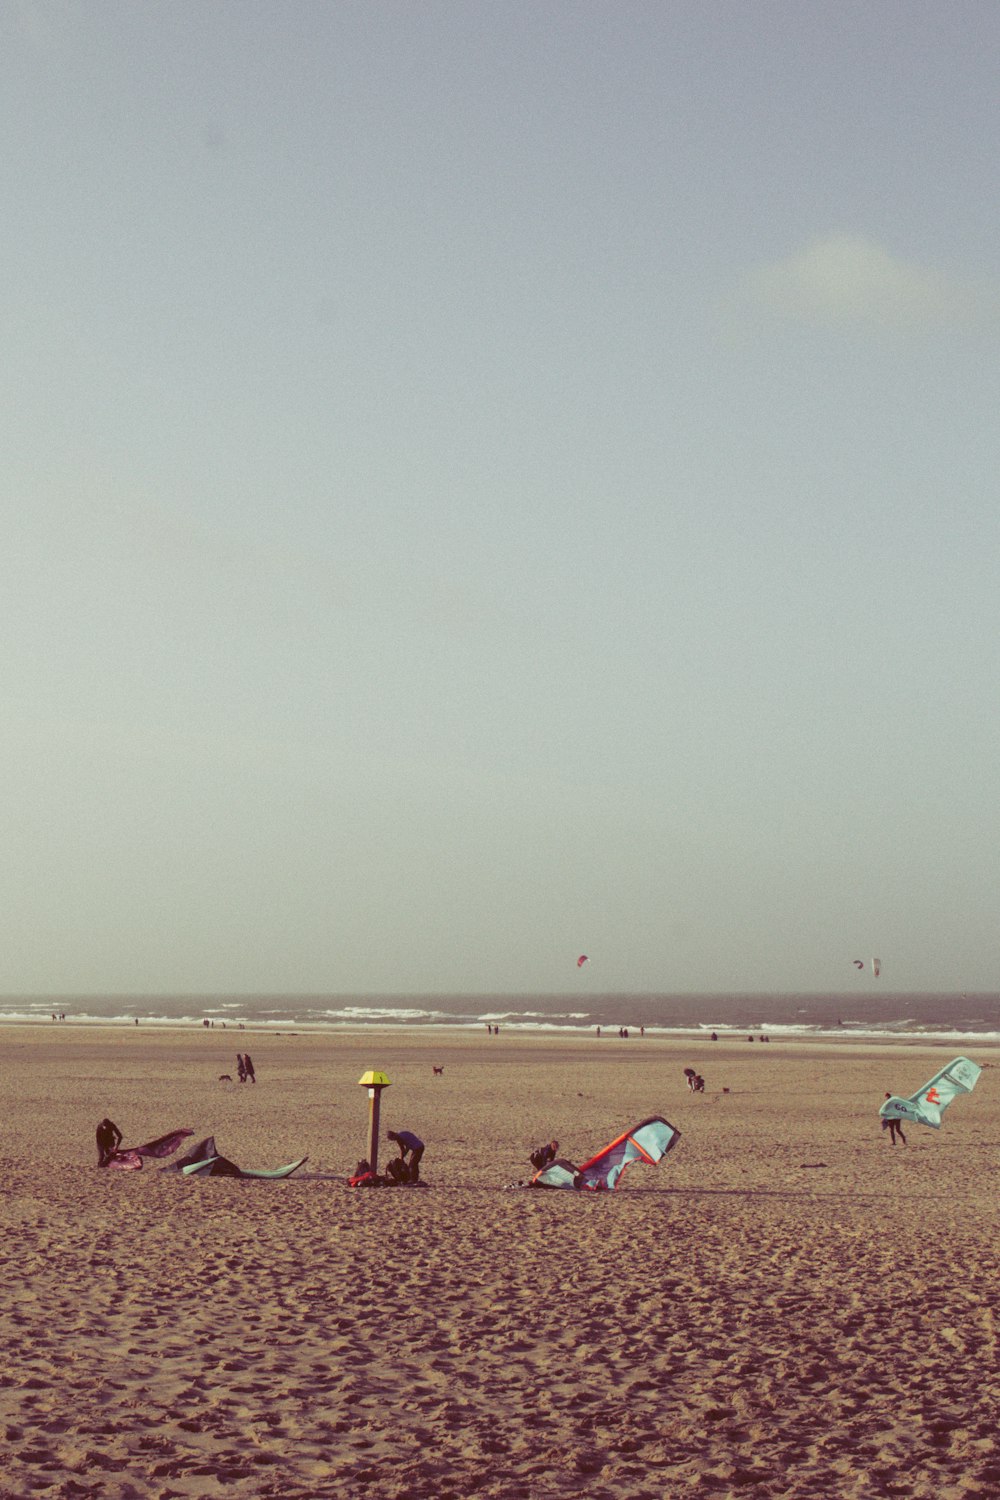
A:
{"points": [[786, 1306]]}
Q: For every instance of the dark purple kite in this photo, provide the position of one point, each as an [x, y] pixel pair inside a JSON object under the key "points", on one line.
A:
{"points": [[129, 1158]]}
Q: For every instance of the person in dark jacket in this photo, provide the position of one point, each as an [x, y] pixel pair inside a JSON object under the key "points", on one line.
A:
{"points": [[410, 1146], [108, 1140], [542, 1155]]}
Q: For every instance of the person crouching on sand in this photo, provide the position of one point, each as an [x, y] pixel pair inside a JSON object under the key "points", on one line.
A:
{"points": [[543, 1155], [409, 1145], [108, 1140]]}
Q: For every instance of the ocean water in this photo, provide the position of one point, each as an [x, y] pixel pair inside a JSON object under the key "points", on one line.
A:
{"points": [[964, 1017]]}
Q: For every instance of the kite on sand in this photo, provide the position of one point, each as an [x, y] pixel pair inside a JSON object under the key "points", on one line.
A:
{"points": [[129, 1158], [649, 1142]]}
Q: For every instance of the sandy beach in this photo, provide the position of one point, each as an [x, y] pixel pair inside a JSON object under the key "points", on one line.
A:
{"points": [[787, 1306]]}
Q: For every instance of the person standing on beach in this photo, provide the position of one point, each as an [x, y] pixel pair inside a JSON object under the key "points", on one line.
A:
{"points": [[894, 1127], [409, 1145], [248, 1065], [108, 1140]]}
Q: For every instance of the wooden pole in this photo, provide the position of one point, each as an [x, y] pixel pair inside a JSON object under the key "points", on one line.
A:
{"points": [[374, 1082], [374, 1105]]}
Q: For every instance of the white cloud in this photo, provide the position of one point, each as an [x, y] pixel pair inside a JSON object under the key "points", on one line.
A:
{"points": [[847, 279]]}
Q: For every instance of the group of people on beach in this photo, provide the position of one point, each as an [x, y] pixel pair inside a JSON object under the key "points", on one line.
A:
{"points": [[405, 1168]]}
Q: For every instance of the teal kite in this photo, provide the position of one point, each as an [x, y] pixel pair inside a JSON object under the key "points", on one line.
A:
{"points": [[929, 1103]]}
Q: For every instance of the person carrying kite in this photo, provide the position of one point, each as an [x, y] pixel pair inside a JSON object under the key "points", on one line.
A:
{"points": [[894, 1127]]}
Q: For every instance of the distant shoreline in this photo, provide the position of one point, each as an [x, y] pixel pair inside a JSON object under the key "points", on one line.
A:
{"points": [[412, 1037]]}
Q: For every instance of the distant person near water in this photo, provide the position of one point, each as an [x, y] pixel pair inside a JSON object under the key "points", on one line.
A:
{"points": [[411, 1146]]}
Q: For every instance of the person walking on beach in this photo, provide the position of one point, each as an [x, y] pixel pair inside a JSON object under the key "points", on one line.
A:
{"points": [[248, 1067], [409, 1145], [894, 1127], [241, 1068], [108, 1140]]}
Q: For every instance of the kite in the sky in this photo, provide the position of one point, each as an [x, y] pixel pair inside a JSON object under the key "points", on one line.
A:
{"points": [[648, 1141], [583, 959], [858, 963], [929, 1103], [876, 967]]}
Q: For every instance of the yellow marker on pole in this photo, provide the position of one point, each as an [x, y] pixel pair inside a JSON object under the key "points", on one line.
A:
{"points": [[374, 1083]]}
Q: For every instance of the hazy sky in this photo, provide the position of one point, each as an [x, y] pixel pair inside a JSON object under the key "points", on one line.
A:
{"points": [[483, 483]]}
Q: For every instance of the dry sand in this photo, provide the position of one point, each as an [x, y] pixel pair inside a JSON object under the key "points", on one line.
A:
{"points": [[786, 1307]]}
